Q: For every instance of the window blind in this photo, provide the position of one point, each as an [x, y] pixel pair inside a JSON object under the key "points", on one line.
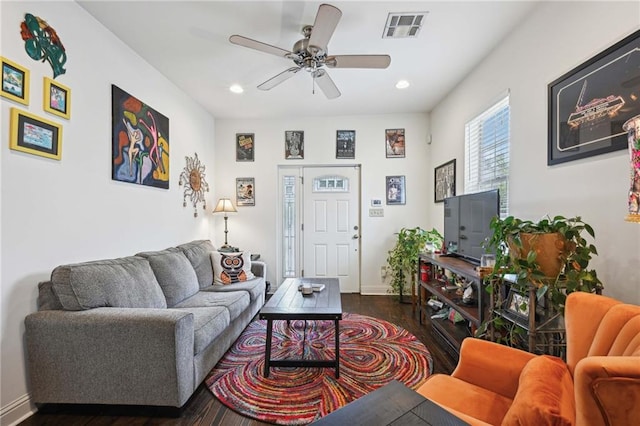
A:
{"points": [[487, 153]]}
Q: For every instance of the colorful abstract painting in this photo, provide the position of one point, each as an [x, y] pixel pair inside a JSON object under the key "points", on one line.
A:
{"points": [[140, 141]]}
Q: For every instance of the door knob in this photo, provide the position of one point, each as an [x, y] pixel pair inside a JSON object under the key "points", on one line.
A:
{"points": [[355, 236]]}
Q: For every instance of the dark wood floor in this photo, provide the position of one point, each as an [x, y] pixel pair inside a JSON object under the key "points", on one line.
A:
{"points": [[204, 409]]}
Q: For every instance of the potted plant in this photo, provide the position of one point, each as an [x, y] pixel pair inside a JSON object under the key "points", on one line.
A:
{"points": [[403, 258]]}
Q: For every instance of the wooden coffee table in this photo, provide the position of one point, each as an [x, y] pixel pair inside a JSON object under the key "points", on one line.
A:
{"points": [[287, 303]]}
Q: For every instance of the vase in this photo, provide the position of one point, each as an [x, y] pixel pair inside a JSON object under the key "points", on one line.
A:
{"points": [[632, 127]]}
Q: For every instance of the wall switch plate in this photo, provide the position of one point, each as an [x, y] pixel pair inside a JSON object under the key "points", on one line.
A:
{"points": [[376, 212]]}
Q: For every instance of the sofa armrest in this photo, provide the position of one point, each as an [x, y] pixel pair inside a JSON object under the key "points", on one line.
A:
{"points": [[111, 356], [607, 390], [259, 268], [491, 366]]}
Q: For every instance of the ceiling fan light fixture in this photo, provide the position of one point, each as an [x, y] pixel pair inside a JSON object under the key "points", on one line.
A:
{"points": [[402, 84], [236, 88]]}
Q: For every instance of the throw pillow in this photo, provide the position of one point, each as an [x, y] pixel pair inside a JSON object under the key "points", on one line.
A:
{"points": [[229, 268]]}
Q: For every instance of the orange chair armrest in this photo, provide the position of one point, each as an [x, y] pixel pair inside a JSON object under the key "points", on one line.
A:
{"points": [[491, 366]]}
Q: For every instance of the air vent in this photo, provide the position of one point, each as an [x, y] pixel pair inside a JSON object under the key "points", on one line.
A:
{"points": [[401, 25]]}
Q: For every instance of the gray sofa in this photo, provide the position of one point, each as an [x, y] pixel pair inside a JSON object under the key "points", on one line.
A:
{"points": [[138, 330]]}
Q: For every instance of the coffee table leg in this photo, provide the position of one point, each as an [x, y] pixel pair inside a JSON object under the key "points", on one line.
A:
{"points": [[337, 326], [267, 351]]}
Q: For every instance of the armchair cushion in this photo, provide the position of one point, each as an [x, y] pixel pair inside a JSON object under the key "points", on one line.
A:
{"points": [[544, 396]]}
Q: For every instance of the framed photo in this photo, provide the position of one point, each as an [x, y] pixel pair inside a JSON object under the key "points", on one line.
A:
{"points": [[294, 144], [35, 135], [394, 143], [15, 81], [56, 98], [444, 181], [517, 303], [589, 104], [395, 190], [245, 191], [244, 146], [346, 144]]}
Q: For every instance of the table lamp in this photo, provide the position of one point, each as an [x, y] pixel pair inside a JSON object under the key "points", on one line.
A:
{"points": [[225, 206]]}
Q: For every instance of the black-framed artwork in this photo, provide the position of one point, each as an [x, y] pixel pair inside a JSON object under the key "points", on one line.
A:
{"points": [[444, 178], [245, 143], [589, 104], [345, 144], [35, 135], [294, 144], [245, 191], [396, 190], [517, 303], [394, 142]]}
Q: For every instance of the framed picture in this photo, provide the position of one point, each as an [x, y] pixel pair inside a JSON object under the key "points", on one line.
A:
{"points": [[294, 144], [15, 81], [245, 191], [346, 144], [444, 181], [394, 143], [589, 104], [56, 98], [517, 303], [35, 135], [244, 146], [395, 190]]}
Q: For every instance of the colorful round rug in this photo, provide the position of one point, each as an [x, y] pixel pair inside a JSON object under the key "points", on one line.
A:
{"points": [[373, 352]]}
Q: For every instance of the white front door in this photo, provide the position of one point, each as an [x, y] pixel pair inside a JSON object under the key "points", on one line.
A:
{"points": [[331, 225]]}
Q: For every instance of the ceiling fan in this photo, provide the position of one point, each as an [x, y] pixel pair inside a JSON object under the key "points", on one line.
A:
{"points": [[311, 54]]}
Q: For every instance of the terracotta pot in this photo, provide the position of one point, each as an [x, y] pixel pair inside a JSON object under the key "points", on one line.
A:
{"points": [[549, 250]]}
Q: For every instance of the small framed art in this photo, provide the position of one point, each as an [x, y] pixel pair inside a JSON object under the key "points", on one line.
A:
{"points": [[518, 304], [15, 82], [395, 190], [394, 143], [245, 191], [56, 98], [35, 135], [445, 181], [294, 144], [244, 146], [345, 144]]}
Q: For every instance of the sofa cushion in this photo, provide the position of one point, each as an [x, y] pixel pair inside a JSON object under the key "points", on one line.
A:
{"points": [[199, 254], [255, 287], [126, 282], [47, 299], [545, 394], [174, 273], [235, 301], [208, 323], [229, 268]]}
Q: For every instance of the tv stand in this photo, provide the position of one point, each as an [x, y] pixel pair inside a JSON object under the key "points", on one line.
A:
{"points": [[432, 270]]}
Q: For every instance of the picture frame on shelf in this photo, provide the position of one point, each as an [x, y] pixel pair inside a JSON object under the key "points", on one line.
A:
{"points": [[294, 144], [56, 98], [245, 145], [444, 181], [15, 81], [396, 190], [35, 135], [517, 303], [394, 143], [346, 144], [588, 105], [245, 191]]}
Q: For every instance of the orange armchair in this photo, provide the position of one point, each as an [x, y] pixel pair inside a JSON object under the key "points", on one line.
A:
{"points": [[598, 385]]}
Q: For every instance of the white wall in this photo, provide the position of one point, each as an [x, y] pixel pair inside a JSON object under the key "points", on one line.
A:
{"points": [[254, 228], [557, 37], [56, 212]]}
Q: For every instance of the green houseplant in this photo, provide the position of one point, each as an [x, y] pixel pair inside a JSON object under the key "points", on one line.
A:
{"points": [[551, 254], [403, 258]]}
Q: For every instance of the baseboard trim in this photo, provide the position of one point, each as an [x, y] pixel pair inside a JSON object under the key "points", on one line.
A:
{"points": [[17, 411]]}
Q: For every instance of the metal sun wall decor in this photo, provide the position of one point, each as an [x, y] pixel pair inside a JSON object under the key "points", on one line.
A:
{"points": [[41, 42], [140, 141], [192, 177]]}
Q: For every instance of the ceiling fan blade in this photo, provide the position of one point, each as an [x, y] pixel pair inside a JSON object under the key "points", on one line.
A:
{"points": [[283, 76], [358, 61], [325, 84], [325, 24], [258, 45]]}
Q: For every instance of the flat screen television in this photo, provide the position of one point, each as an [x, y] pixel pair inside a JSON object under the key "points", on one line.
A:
{"points": [[467, 220]]}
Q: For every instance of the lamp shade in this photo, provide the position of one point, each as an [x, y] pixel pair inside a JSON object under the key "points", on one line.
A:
{"points": [[225, 205]]}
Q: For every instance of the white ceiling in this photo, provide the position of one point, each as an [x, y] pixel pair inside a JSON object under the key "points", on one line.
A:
{"points": [[187, 41]]}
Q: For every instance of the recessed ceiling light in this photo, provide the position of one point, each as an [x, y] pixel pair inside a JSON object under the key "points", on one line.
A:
{"points": [[402, 84], [236, 88]]}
